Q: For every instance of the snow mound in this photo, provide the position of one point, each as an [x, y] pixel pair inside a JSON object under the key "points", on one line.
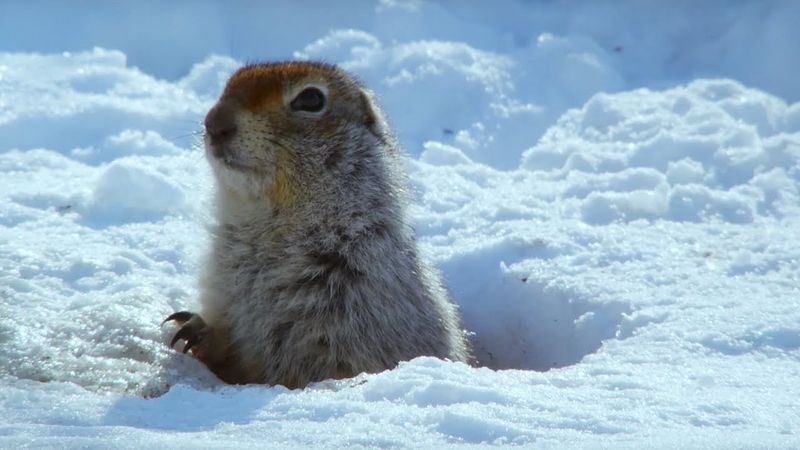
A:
{"points": [[711, 150], [130, 191], [86, 96]]}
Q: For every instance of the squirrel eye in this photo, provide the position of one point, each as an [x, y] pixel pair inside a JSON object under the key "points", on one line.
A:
{"points": [[310, 99]]}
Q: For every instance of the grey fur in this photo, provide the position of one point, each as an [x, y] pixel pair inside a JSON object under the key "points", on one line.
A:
{"points": [[322, 279]]}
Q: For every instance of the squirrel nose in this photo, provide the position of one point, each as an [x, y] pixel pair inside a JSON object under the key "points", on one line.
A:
{"points": [[220, 124]]}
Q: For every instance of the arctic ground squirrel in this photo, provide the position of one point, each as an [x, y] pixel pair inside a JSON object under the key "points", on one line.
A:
{"points": [[314, 271]]}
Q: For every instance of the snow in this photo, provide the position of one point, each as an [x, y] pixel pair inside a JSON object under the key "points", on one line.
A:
{"points": [[611, 191]]}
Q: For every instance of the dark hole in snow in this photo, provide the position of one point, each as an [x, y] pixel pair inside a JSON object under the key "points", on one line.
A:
{"points": [[534, 324]]}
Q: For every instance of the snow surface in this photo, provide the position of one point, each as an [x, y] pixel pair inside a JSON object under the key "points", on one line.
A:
{"points": [[610, 189]]}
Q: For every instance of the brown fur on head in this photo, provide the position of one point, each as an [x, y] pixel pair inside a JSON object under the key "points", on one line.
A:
{"points": [[267, 138]]}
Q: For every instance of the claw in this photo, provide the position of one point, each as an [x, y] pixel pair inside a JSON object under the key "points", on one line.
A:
{"points": [[190, 342], [193, 330], [183, 333], [180, 317]]}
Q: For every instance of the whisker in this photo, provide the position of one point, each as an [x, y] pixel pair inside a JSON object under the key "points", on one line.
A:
{"points": [[188, 135]]}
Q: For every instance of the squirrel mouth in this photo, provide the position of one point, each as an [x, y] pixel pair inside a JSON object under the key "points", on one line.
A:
{"points": [[235, 164], [227, 158]]}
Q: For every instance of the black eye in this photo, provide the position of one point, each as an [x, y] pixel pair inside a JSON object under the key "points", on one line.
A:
{"points": [[311, 100]]}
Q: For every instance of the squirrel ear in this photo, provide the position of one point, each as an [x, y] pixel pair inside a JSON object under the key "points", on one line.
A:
{"points": [[375, 121], [373, 117]]}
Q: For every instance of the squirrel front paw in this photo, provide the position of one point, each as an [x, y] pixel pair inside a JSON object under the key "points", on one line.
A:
{"points": [[194, 331]]}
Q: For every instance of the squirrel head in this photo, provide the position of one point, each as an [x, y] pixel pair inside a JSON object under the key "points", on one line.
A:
{"points": [[286, 131]]}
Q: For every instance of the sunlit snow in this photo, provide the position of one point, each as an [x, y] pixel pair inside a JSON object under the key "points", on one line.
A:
{"points": [[611, 190]]}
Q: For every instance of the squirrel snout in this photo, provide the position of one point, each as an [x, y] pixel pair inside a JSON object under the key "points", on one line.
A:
{"points": [[220, 125]]}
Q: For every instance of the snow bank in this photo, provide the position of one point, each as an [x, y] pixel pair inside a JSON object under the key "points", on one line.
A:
{"points": [[704, 150], [490, 80]]}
